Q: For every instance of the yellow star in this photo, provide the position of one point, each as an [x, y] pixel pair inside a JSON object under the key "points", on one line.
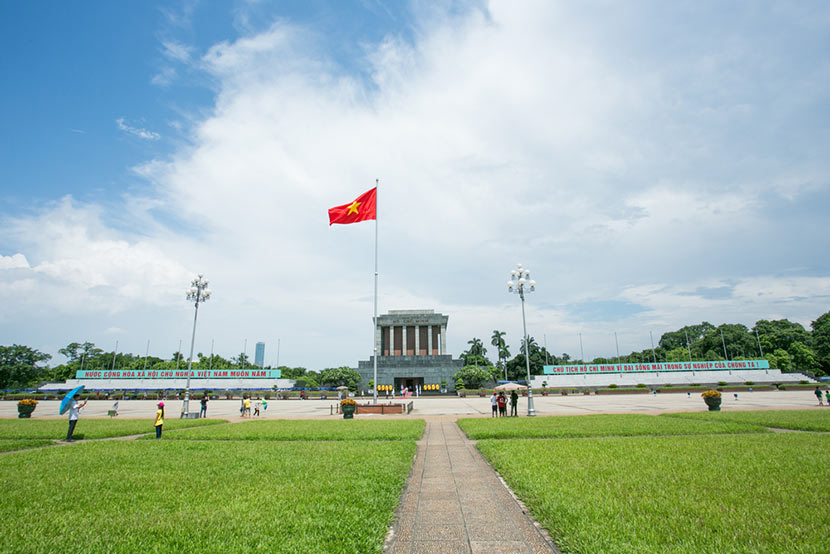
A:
{"points": [[353, 208]]}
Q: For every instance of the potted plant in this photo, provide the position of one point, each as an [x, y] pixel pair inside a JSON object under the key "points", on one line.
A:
{"points": [[348, 407], [544, 388], [25, 407], [444, 386], [712, 399], [459, 386]]}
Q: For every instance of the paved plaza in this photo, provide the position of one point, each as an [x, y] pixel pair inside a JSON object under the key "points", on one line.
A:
{"points": [[462, 407]]}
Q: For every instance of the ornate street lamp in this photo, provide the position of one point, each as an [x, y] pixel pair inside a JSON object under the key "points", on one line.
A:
{"points": [[520, 282], [198, 293]]}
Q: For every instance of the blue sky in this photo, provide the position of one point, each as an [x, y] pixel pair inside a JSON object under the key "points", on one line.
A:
{"points": [[655, 165]]}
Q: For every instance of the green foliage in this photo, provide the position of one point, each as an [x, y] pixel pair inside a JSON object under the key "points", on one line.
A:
{"points": [[10, 445], [340, 377], [472, 376], [820, 341], [725, 493], [20, 366]]}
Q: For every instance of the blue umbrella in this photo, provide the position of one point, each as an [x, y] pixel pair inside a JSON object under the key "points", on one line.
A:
{"points": [[68, 399]]}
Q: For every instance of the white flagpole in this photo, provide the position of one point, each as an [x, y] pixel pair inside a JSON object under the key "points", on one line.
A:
{"points": [[375, 319]]}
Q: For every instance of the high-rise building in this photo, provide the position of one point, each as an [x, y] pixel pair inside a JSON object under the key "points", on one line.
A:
{"points": [[259, 355]]}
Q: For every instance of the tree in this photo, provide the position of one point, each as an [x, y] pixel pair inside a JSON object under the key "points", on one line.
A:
{"points": [[820, 342], [19, 366], [241, 360], [71, 351], [675, 339], [804, 359], [498, 341], [340, 377], [475, 355], [780, 333], [472, 376]]}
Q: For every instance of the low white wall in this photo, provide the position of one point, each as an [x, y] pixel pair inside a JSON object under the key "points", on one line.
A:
{"points": [[170, 384], [675, 378]]}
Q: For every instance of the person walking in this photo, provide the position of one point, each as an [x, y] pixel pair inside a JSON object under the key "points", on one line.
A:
{"points": [[494, 404], [203, 409], [159, 419], [514, 404], [817, 392], [256, 408], [247, 404], [74, 414], [265, 404], [827, 396]]}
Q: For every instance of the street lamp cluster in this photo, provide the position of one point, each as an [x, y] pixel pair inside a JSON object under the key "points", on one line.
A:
{"points": [[198, 293], [520, 282]]}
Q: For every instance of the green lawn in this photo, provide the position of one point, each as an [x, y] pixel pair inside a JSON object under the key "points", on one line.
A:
{"points": [[802, 420], [10, 445], [595, 426], [746, 493], [90, 428], [284, 429], [203, 496]]}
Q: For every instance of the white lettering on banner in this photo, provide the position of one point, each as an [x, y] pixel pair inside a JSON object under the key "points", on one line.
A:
{"points": [[643, 367], [180, 374]]}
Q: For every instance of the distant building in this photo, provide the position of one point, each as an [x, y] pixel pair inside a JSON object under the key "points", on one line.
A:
{"points": [[259, 355], [413, 351]]}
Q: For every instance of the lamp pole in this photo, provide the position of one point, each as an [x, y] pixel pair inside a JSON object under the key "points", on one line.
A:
{"points": [[198, 293], [522, 282]]}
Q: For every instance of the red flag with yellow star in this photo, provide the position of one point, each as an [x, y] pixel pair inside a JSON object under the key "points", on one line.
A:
{"points": [[362, 209]]}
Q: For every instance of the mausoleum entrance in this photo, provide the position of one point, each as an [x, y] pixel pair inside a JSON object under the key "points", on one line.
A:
{"points": [[409, 383]]}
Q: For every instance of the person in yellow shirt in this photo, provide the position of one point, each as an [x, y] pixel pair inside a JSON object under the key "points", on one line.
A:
{"points": [[247, 406], [159, 419]]}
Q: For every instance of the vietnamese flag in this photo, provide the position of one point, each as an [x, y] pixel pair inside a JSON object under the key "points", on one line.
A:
{"points": [[361, 209]]}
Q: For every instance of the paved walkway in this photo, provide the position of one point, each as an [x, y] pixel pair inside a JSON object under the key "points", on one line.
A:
{"points": [[454, 502]]}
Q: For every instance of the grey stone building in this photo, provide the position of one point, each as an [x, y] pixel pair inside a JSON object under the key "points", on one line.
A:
{"points": [[413, 351]]}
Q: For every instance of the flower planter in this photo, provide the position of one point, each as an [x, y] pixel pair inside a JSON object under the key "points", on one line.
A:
{"points": [[544, 393], [348, 411], [713, 403], [25, 411]]}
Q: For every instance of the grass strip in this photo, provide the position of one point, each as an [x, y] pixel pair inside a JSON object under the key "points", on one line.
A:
{"points": [[799, 420], [10, 445], [599, 425], [203, 496], [745, 493], [305, 429], [88, 428]]}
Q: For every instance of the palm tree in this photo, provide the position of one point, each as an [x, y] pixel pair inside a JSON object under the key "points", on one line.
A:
{"points": [[497, 340], [477, 347]]}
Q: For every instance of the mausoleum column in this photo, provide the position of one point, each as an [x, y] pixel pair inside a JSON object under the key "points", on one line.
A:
{"points": [[443, 339], [403, 340], [429, 340], [378, 340], [417, 340]]}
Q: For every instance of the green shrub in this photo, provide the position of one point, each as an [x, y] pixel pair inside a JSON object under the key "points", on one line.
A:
{"points": [[749, 383], [641, 385], [721, 383], [612, 386]]}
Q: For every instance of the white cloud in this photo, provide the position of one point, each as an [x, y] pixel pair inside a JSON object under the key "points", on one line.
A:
{"points": [[621, 165], [15, 261], [140, 133]]}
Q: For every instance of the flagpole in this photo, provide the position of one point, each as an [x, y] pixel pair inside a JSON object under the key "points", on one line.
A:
{"points": [[375, 319]]}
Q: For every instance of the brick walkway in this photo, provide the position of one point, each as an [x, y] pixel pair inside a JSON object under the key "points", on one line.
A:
{"points": [[454, 502]]}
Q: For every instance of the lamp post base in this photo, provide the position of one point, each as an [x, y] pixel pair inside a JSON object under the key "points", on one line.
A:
{"points": [[531, 411]]}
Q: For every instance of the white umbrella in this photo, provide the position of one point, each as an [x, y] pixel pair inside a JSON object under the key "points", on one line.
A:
{"points": [[511, 386]]}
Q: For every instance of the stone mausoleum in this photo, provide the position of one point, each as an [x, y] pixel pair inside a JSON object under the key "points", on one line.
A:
{"points": [[413, 351]]}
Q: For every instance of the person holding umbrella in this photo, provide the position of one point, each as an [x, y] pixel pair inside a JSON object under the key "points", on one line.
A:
{"points": [[70, 402], [159, 420]]}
